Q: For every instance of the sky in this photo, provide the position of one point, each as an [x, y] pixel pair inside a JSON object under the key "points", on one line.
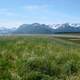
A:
{"points": [[16, 12]]}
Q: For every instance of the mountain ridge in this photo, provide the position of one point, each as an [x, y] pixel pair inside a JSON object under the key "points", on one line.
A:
{"points": [[37, 28]]}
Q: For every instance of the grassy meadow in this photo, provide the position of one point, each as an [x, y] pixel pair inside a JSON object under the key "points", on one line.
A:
{"points": [[39, 58]]}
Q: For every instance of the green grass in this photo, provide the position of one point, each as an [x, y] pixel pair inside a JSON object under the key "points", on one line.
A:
{"points": [[39, 58], [74, 40]]}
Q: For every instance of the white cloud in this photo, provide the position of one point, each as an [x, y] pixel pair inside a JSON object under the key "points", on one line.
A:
{"points": [[6, 12], [35, 7], [11, 24], [31, 7]]}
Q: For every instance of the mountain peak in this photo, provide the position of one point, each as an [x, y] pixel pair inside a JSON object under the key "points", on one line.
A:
{"points": [[34, 28], [36, 24]]}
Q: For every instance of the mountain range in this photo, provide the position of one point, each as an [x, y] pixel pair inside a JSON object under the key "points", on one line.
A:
{"points": [[5, 30], [34, 28], [37, 28]]}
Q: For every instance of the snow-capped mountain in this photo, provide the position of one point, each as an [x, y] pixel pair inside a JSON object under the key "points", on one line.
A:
{"points": [[5, 30], [67, 28], [55, 26], [75, 25], [37, 28], [34, 28]]}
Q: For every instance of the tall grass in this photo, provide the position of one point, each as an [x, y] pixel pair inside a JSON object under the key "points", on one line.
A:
{"points": [[38, 58]]}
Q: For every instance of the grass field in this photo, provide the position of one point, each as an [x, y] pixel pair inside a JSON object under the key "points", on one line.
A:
{"points": [[39, 58]]}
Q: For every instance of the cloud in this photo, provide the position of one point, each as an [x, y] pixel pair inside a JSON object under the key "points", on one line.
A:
{"points": [[35, 7], [6, 12], [10, 23], [31, 7]]}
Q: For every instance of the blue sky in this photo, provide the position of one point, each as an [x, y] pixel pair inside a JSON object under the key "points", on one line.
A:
{"points": [[16, 12]]}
